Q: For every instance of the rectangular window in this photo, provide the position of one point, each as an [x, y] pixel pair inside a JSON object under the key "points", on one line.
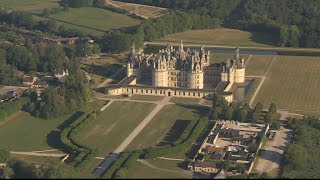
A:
{"points": [[156, 92], [136, 90], [194, 94], [141, 91], [151, 91], [147, 91]]}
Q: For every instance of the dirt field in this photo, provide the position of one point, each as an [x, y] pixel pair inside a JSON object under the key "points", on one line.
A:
{"points": [[292, 83], [142, 10]]}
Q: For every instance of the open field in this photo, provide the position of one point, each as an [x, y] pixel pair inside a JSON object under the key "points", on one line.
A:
{"points": [[114, 124], [95, 18], [146, 98], [167, 125], [143, 171], [28, 133], [184, 100], [252, 89], [141, 10], [32, 6], [258, 65], [222, 36], [292, 83]]}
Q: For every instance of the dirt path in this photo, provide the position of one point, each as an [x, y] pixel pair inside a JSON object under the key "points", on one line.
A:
{"points": [[114, 156], [263, 79], [38, 154], [165, 170]]}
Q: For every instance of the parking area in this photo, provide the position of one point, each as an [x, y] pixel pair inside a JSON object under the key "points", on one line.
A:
{"points": [[271, 153]]}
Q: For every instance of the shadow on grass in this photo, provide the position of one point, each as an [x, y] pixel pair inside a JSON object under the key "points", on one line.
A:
{"points": [[53, 138], [199, 110], [263, 38], [175, 132]]}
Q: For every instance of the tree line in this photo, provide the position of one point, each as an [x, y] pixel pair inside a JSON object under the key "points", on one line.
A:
{"points": [[293, 23]]}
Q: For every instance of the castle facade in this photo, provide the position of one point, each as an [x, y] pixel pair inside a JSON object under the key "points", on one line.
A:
{"points": [[180, 70]]}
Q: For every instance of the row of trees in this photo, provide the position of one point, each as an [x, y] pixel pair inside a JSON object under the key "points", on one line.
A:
{"points": [[12, 107], [243, 113], [151, 29]]}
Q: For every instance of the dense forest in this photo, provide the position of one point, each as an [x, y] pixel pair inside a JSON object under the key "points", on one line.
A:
{"points": [[302, 156], [294, 23]]}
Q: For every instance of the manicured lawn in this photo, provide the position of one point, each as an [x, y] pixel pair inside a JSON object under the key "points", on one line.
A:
{"points": [[87, 172], [258, 65], [222, 36], [167, 125], [33, 6], [114, 124], [184, 100], [293, 83], [252, 89], [27, 133], [95, 18], [142, 171], [146, 11], [146, 98]]}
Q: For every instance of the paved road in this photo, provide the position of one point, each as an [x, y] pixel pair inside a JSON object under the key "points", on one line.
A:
{"points": [[114, 156], [272, 151]]}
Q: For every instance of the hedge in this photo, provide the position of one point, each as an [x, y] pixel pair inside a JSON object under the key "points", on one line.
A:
{"points": [[116, 165], [172, 151], [11, 107], [84, 154]]}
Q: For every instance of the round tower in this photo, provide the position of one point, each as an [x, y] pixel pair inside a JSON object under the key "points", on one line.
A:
{"points": [[160, 75]]}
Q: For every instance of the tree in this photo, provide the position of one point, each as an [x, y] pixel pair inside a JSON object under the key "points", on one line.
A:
{"points": [[229, 113], [273, 108], [255, 117], [46, 12], [258, 108], [243, 115], [252, 147], [4, 156], [215, 115]]}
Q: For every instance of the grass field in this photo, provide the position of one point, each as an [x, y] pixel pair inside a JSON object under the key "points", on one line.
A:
{"points": [[95, 18], [221, 57], [141, 10], [146, 98], [103, 67], [167, 125], [114, 124], [222, 36], [32, 6], [27, 133], [142, 171], [184, 100], [293, 83], [258, 65]]}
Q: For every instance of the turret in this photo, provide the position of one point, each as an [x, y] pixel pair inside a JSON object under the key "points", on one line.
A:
{"points": [[237, 54]]}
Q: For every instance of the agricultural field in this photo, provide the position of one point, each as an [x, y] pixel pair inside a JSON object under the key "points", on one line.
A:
{"points": [[222, 36], [293, 83], [114, 124], [141, 10], [143, 171], [31, 6], [95, 18], [24, 132], [258, 65], [167, 125]]}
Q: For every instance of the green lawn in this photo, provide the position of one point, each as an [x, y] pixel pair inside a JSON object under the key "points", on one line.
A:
{"points": [[258, 65], [32, 6], [146, 98], [27, 133], [222, 36], [293, 83], [184, 100], [142, 171], [114, 124], [252, 89], [167, 125], [95, 18]]}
